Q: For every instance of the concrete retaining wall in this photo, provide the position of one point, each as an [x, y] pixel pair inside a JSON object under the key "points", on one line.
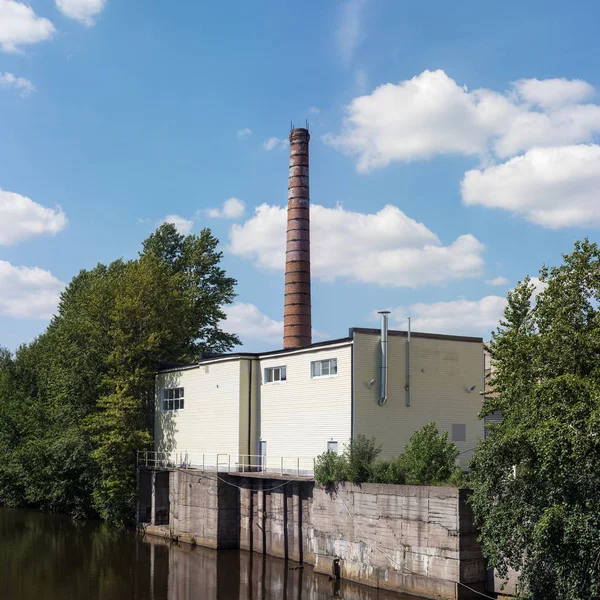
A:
{"points": [[412, 539]]}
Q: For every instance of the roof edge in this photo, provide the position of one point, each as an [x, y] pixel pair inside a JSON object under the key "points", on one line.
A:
{"points": [[418, 334]]}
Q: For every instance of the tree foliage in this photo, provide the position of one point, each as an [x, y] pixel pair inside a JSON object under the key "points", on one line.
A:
{"points": [[77, 403], [428, 459], [536, 476]]}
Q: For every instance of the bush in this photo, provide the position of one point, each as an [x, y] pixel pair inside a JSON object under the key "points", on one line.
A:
{"points": [[360, 455], [387, 471], [428, 458], [330, 468]]}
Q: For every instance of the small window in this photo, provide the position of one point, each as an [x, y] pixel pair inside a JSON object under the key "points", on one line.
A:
{"points": [[332, 447], [173, 399], [459, 432], [273, 374], [323, 368]]}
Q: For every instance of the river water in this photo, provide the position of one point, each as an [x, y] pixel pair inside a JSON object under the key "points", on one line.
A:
{"points": [[48, 557]]}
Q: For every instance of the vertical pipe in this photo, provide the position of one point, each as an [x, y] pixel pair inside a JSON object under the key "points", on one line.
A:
{"points": [[384, 357], [408, 365]]}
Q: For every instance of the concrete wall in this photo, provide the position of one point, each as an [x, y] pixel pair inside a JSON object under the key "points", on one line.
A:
{"points": [[300, 415], [418, 540], [414, 539], [442, 370], [210, 420]]}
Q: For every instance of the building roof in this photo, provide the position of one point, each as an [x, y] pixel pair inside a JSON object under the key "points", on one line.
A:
{"points": [[417, 334], [164, 367]]}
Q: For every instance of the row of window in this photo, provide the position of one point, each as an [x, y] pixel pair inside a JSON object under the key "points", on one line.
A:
{"points": [[173, 397], [318, 368]]}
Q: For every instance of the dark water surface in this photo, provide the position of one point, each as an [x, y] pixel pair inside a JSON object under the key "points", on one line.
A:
{"points": [[48, 557]]}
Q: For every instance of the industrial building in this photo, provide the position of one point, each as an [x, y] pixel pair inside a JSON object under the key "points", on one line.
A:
{"points": [[279, 410]]}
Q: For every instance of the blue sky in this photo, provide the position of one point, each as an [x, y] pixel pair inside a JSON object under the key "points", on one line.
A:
{"points": [[453, 149]]}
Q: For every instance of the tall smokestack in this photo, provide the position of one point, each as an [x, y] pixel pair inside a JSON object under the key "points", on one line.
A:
{"points": [[296, 314]]}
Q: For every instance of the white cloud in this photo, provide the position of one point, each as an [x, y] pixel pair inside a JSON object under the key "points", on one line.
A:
{"points": [[28, 291], [22, 218], [19, 26], [8, 80], [313, 110], [183, 225], [457, 317], [552, 187], [553, 93], [249, 323], [431, 114], [83, 11], [349, 33], [243, 133], [497, 281], [274, 142], [386, 248], [233, 208]]}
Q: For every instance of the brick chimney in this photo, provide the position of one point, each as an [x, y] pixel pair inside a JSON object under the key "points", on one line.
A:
{"points": [[296, 314]]}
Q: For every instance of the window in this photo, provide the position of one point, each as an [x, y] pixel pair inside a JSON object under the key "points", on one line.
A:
{"points": [[332, 446], [459, 432], [173, 399], [323, 368], [273, 374]]}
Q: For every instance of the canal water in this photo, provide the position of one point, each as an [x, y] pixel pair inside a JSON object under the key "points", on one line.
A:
{"points": [[49, 557]]}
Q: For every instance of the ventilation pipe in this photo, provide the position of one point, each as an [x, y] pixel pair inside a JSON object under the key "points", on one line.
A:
{"points": [[408, 365], [384, 356]]}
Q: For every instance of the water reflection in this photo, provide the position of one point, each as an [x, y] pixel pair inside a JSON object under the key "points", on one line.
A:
{"points": [[51, 558]]}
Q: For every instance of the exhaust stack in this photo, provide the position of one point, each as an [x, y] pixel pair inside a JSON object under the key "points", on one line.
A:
{"points": [[384, 357], [297, 307]]}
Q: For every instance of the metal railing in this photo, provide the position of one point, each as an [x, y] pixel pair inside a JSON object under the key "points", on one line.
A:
{"points": [[298, 466]]}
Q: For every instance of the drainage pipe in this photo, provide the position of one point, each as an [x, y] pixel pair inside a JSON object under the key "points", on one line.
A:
{"points": [[408, 365], [384, 357]]}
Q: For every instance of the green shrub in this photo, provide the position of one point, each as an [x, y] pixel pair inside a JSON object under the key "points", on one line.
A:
{"points": [[428, 458], [330, 468], [360, 455], [459, 479], [387, 471]]}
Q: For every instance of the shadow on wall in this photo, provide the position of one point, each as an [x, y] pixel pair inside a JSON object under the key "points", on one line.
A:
{"points": [[165, 425]]}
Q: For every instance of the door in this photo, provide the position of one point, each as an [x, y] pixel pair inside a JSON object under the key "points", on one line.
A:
{"points": [[262, 451]]}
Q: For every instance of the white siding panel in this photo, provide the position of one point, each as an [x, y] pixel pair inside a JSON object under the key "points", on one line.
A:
{"points": [[300, 415], [442, 371], [209, 423]]}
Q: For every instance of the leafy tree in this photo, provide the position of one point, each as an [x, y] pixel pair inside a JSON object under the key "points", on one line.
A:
{"points": [[535, 478], [330, 468], [77, 403], [360, 455], [428, 458]]}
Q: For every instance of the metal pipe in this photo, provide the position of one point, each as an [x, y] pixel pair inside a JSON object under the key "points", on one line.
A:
{"points": [[384, 357], [408, 365]]}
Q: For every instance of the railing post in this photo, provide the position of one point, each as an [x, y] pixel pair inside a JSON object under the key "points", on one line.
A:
{"points": [[282, 465], [229, 463], [146, 457], [298, 466], [203, 462]]}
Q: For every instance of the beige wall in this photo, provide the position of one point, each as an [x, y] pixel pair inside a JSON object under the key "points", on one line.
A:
{"points": [[210, 421], [299, 415], [441, 372]]}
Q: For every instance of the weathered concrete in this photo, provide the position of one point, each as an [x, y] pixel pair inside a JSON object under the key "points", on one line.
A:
{"points": [[413, 539]]}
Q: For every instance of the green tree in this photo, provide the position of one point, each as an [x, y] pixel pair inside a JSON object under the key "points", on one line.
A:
{"points": [[77, 403], [535, 478], [428, 458]]}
